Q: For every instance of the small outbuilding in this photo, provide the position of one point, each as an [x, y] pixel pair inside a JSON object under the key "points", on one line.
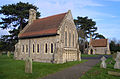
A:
{"points": [[99, 46]]}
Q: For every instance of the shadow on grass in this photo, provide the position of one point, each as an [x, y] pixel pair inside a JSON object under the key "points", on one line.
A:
{"points": [[14, 69], [99, 73]]}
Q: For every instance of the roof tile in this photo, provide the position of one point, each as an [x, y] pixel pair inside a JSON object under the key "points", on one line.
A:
{"points": [[44, 26], [99, 43]]}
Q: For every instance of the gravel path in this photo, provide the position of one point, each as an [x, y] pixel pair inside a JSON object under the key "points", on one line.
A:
{"points": [[74, 72]]}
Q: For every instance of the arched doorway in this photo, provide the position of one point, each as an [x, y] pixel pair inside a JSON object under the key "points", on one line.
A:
{"points": [[91, 51]]}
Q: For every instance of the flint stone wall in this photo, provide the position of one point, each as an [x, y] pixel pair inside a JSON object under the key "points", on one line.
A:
{"points": [[61, 53]]}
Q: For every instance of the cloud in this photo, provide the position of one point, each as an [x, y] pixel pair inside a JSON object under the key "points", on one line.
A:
{"points": [[110, 30], [47, 7], [109, 33], [50, 7], [79, 8], [114, 0], [114, 16], [97, 19], [92, 14], [81, 3], [85, 3]]}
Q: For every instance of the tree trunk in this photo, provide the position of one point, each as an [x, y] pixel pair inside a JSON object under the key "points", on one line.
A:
{"points": [[87, 47], [21, 22], [84, 47]]}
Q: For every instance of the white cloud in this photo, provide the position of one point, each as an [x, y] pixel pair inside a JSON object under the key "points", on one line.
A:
{"points": [[109, 30], [79, 8], [114, 0], [114, 16], [92, 14], [97, 19], [48, 7], [85, 3]]}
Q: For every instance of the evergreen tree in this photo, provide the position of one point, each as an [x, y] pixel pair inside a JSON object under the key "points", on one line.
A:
{"points": [[16, 18], [99, 36], [114, 46], [85, 27]]}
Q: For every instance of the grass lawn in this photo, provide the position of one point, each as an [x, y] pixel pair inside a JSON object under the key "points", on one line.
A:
{"points": [[14, 69], [86, 55], [99, 73]]}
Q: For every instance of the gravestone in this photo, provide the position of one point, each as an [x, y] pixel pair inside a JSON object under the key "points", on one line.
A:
{"points": [[28, 65], [114, 73], [114, 55], [8, 53], [0, 53], [103, 64], [117, 59]]}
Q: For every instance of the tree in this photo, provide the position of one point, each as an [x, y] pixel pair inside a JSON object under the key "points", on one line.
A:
{"points": [[114, 46], [85, 27], [99, 36], [81, 33], [2, 45], [81, 40], [16, 18], [16, 15]]}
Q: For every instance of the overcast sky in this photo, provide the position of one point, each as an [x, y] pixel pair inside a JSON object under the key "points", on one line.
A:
{"points": [[106, 13]]}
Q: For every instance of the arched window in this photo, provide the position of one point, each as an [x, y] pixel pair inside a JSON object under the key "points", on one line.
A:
{"points": [[69, 39], [73, 40], [22, 48], [38, 48], [65, 38], [51, 48], [46, 48], [33, 48], [26, 48]]}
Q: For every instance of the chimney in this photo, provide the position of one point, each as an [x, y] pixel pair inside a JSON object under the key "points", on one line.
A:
{"points": [[32, 16], [90, 40]]}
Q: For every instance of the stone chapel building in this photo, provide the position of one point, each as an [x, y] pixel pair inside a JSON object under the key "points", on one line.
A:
{"points": [[52, 39], [99, 46]]}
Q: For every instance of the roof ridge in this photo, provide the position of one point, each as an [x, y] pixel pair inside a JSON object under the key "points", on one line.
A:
{"points": [[49, 22], [50, 16]]}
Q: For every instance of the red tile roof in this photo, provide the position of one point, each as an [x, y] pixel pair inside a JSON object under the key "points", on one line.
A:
{"points": [[99, 43], [43, 26]]}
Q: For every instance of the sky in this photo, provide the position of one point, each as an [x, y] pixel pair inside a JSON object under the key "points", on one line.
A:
{"points": [[106, 13]]}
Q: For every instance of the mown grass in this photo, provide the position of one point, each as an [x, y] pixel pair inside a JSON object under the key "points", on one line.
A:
{"points": [[14, 69], [99, 73], [86, 55]]}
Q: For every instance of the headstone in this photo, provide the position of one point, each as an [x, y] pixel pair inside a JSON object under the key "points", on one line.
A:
{"points": [[28, 65], [0, 53], [114, 73], [103, 64], [117, 59], [114, 55], [8, 53]]}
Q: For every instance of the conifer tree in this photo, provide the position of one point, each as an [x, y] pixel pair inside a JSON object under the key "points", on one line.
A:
{"points": [[85, 27], [15, 18]]}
